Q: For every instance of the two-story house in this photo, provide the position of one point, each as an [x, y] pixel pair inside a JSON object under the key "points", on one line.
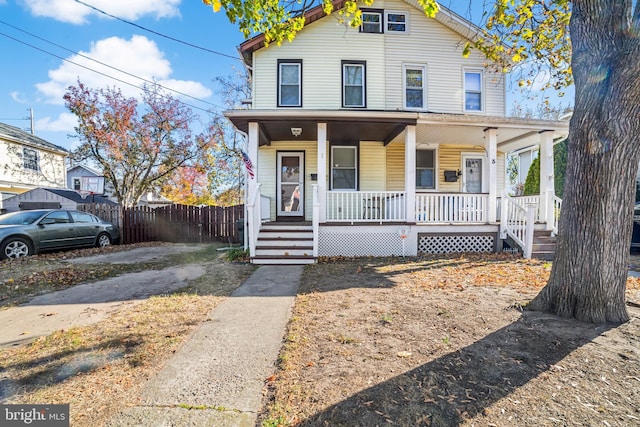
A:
{"points": [[382, 140], [28, 162]]}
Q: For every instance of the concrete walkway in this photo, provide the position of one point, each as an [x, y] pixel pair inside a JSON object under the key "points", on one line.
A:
{"points": [[217, 378]]}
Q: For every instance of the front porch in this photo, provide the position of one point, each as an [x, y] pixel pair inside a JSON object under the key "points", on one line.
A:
{"points": [[379, 187]]}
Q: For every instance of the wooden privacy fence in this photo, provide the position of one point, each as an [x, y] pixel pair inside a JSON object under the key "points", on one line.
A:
{"points": [[175, 223]]}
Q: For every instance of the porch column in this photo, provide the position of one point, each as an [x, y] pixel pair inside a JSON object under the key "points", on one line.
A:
{"points": [[252, 152], [491, 145], [322, 170], [547, 186], [410, 171]]}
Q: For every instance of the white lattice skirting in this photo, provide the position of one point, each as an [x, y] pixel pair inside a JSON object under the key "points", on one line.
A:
{"points": [[451, 243], [362, 241]]}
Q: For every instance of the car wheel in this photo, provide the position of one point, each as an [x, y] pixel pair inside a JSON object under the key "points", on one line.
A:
{"points": [[103, 240], [15, 247]]}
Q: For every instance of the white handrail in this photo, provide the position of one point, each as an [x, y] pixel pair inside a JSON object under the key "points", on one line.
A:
{"points": [[316, 219], [517, 222], [253, 212]]}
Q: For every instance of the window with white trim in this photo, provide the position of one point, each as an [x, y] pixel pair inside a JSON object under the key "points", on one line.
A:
{"points": [[344, 167], [289, 83], [414, 86], [473, 91], [30, 159], [353, 84], [426, 169], [396, 22], [371, 21]]}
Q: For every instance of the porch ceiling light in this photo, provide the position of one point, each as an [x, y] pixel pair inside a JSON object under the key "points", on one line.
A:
{"points": [[296, 132]]}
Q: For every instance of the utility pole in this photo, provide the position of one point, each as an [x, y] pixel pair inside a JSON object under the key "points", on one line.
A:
{"points": [[33, 131]]}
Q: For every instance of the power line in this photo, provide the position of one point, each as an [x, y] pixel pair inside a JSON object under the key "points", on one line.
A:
{"points": [[107, 65], [95, 71], [157, 33]]}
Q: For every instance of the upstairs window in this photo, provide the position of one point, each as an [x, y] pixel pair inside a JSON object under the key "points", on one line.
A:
{"points": [[344, 171], [473, 91], [353, 84], [289, 83], [30, 159], [425, 169], [396, 22], [76, 184], [414, 86], [371, 21]]}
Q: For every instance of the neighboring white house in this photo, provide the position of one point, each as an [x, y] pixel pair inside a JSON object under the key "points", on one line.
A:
{"points": [[394, 141], [28, 162], [75, 174]]}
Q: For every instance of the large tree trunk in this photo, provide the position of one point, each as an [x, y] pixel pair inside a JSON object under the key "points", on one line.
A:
{"points": [[588, 279]]}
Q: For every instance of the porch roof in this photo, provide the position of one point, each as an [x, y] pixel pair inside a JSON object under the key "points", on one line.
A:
{"points": [[388, 126]]}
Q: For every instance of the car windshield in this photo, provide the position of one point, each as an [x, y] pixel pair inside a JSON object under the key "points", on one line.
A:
{"points": [[18, 218]]}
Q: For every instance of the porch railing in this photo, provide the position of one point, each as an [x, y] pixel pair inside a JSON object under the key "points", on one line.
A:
{"points": [[517, 222], [451, 208], [529, 200], [366, 206]]}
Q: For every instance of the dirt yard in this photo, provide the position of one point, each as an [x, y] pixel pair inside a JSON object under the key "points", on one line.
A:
{"points": [[444, 342], [372, 342]]}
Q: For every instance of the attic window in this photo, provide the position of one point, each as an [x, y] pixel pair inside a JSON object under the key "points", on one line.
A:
{"points": [[396, 22], [30, 159], [371, 21]]}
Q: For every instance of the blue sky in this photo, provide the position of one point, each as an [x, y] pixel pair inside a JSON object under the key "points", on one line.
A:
{"points": [[35, 79]]}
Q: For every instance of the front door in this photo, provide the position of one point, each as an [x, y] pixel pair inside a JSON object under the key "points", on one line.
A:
{"points": [[290, 185], [472, 174]]}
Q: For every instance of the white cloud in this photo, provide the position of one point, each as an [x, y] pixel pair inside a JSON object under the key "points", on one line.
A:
{"points": [[17, 96], [64, 123], [138, 57], [75, 13]]}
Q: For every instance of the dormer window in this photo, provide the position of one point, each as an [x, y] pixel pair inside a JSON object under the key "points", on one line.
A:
{"points": [[289, 83], [371, 21]]}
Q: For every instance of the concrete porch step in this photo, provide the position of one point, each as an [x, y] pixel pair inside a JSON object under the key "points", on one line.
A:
{"points": [[282, 260]]}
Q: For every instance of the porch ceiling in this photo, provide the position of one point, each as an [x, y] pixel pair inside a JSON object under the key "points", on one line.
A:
{"points": [[387, 126], [342, 126]]}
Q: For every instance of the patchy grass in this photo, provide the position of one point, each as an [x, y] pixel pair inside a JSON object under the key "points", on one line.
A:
{"points": [[23, 278], [99, 368], [443, 341]]}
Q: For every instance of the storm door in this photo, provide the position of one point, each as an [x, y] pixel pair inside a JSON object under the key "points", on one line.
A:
{"points": [[290, 184], [472, 174]]}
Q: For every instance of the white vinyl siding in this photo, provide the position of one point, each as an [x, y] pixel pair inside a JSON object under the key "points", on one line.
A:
{"points": [[395, 166], [430, 42], [372, 166], [322, 47]]}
